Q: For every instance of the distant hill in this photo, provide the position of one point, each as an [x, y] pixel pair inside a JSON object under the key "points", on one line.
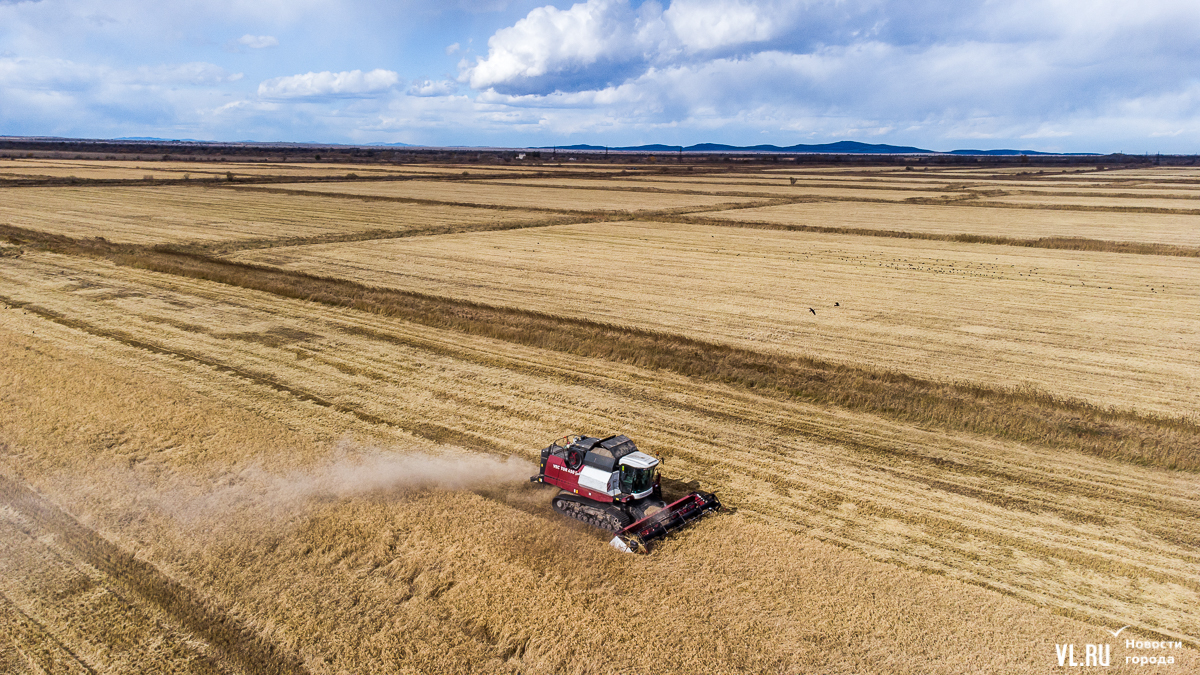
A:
{"points": [[160, 140], [840, 147], [1015, 152]]}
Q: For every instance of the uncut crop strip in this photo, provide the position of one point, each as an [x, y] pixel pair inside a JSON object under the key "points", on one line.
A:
{"points": [[1092, 538], [208, 215], [1159, 234], [1027, 416]]}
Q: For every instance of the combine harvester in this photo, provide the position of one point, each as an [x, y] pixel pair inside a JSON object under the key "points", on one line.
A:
{"points": [[607, 483]]}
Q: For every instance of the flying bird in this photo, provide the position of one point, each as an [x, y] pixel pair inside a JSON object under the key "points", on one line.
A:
{"points": [[813, 311], [837, 304]]}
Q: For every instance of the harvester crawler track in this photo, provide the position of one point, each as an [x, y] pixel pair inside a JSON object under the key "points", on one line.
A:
{"points": [[605, 517]]}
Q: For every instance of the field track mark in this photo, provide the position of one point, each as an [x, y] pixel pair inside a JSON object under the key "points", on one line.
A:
{"points": [[39, 647], [237, 642], [1056, 243]]}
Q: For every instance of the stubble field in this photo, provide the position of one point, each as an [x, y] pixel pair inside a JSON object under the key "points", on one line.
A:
{"points": [[209, 215], [209, 466], [1180, 230], [522, 196]]}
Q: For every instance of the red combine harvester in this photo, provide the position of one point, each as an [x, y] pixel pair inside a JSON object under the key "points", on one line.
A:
{"points": [[607, 483]]}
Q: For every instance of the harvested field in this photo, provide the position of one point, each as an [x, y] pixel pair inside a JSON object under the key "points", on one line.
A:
{"points": [[522, 197], [199, 214], [731, 189], [956, 312], [210, 417], [1183, 230], [1180, 202], [1163, 190], [88, 173], [63, 168], [776, 180]]}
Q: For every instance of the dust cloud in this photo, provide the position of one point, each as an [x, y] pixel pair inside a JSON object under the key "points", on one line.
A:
{"points": [[350, 471]]}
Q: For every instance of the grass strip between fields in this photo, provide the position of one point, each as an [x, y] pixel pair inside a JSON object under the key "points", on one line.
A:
{"points": [[1028, 416], [1057, 243]]}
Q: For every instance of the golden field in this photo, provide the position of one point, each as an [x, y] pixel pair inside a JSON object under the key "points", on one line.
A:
{"points": [[230, 475], [731, 188], [471, 193], [176, 169], [1168, 202], [1029, 223], [174, 214]]}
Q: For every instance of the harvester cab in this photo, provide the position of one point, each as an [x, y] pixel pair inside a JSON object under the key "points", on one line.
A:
{"points": [[608, 483]]}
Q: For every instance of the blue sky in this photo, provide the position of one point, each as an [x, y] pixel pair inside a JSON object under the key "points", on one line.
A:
{"points": [[1054, 75]]}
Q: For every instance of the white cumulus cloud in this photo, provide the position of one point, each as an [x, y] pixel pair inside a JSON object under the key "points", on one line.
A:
{"points": [[1022, 69], [432, 88], [550, 41], [347, 84], [711, 24]]}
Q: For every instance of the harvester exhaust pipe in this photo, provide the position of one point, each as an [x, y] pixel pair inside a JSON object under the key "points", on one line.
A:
{"points": [[636, 538]]}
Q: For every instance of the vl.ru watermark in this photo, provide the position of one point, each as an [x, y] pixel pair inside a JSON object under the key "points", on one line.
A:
{"points": [[1150, 653]]}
